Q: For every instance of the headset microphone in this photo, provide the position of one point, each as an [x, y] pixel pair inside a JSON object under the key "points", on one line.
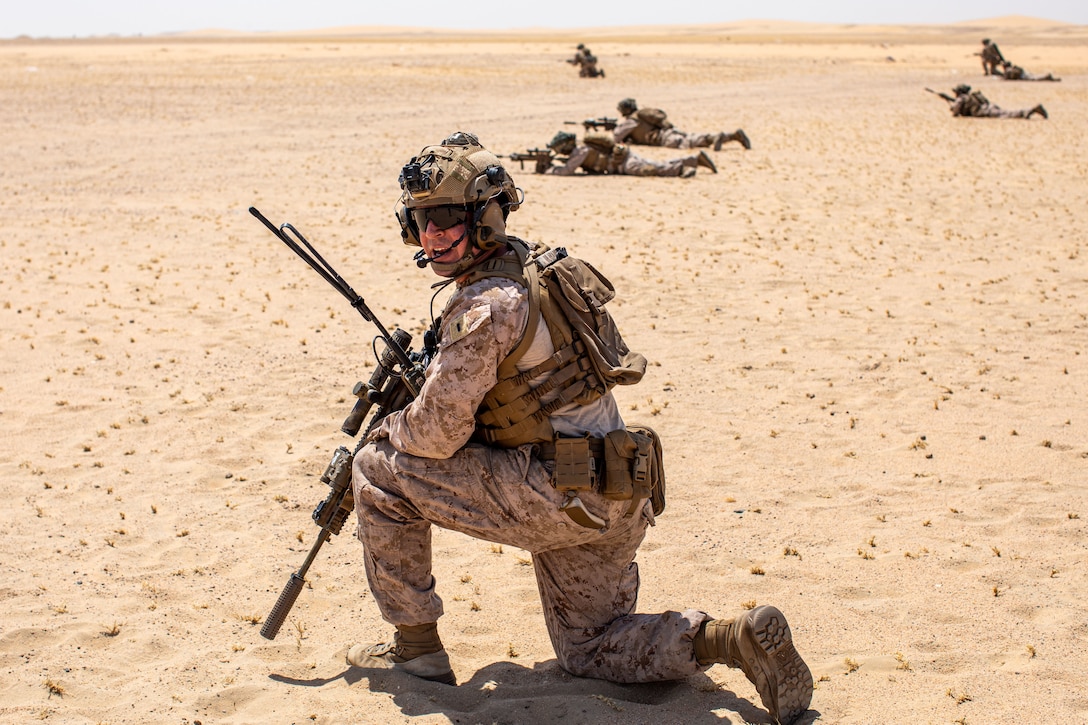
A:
{"points": [[422, 260]]}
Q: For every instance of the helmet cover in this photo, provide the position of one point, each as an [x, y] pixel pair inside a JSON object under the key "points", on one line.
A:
{"points": [[459, 172], [563, 142]]}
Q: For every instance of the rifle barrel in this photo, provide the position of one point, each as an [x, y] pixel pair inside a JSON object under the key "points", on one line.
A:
{"points": [[291, 591]]}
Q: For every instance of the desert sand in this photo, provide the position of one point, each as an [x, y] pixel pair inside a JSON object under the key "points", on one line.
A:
{"points": [[868, 339]]}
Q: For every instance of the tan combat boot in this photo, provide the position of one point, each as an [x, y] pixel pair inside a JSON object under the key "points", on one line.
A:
{"points": [[416, 650], [760, 644], [705, 160]]}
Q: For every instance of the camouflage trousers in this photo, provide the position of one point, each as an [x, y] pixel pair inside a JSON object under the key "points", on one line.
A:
{"points": [[674, 139], [635, 165], [587, 579], [992, 111]]}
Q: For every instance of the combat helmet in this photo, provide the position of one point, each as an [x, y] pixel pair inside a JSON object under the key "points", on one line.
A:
{"points": [[627, 106], [563, 142], [461, 174], [961, 89]]}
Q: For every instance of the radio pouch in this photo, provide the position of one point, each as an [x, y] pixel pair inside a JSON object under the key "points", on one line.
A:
{"points": [[633, 468]]}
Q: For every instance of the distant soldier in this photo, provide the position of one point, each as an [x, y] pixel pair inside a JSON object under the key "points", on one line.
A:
{"points": [[586, 62], [600, 154], [991, 57], [973, 104], [1012, 72], [650, 127]]}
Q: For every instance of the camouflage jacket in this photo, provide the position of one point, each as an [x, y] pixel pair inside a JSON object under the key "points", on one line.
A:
{"points": [[586, 158], [969, 104], [481, 325]]}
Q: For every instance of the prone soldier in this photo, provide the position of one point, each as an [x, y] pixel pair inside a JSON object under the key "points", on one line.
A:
{"points": [[1012, 72], [973, 104], [651, 127], [599, 153]]}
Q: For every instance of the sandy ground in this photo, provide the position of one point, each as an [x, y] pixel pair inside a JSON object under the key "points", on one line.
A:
{"points": [[867, 338]]}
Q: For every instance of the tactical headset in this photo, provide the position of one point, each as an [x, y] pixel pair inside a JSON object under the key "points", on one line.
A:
{"points": [[459, 172]]}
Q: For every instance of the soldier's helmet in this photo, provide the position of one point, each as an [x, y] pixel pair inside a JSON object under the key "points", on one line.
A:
{"points": [[563, 142], [961, 89], [457, 180], [581, 46], [985, 41], [627, 106]]}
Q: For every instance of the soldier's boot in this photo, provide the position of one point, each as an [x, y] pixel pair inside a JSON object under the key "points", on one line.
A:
{"points": [[740, 135], [759, 642], [416, 650], [703, 159], [1040, 110]]}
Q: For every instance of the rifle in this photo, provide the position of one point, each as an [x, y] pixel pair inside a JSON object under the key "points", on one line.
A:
{"points": [[945, 96], [595, 123], [394, 383], [535, 155]]}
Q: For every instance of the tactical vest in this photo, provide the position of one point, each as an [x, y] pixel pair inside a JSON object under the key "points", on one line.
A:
{"points": [[975, 103], [590, 356], [595, 162]]}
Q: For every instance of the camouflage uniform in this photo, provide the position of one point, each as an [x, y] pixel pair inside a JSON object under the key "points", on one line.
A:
{"points": [[636, 131], [976, 105], [586, 62], [420, 469], [991, 57], [1012, 72], [625, 161]]}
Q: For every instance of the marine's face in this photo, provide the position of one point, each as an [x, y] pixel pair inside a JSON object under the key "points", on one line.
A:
{"points": [[442, 232]]}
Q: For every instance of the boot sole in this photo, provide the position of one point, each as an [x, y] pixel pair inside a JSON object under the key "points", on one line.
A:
{"points": [[787, 678]]}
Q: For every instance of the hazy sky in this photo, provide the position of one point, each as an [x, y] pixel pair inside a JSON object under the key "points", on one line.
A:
{"points": [[67, 18]]}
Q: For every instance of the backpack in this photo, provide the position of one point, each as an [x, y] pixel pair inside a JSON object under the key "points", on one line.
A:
{"points": [[580, 293], [590, 357], [600, 141], [653, 117]]}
